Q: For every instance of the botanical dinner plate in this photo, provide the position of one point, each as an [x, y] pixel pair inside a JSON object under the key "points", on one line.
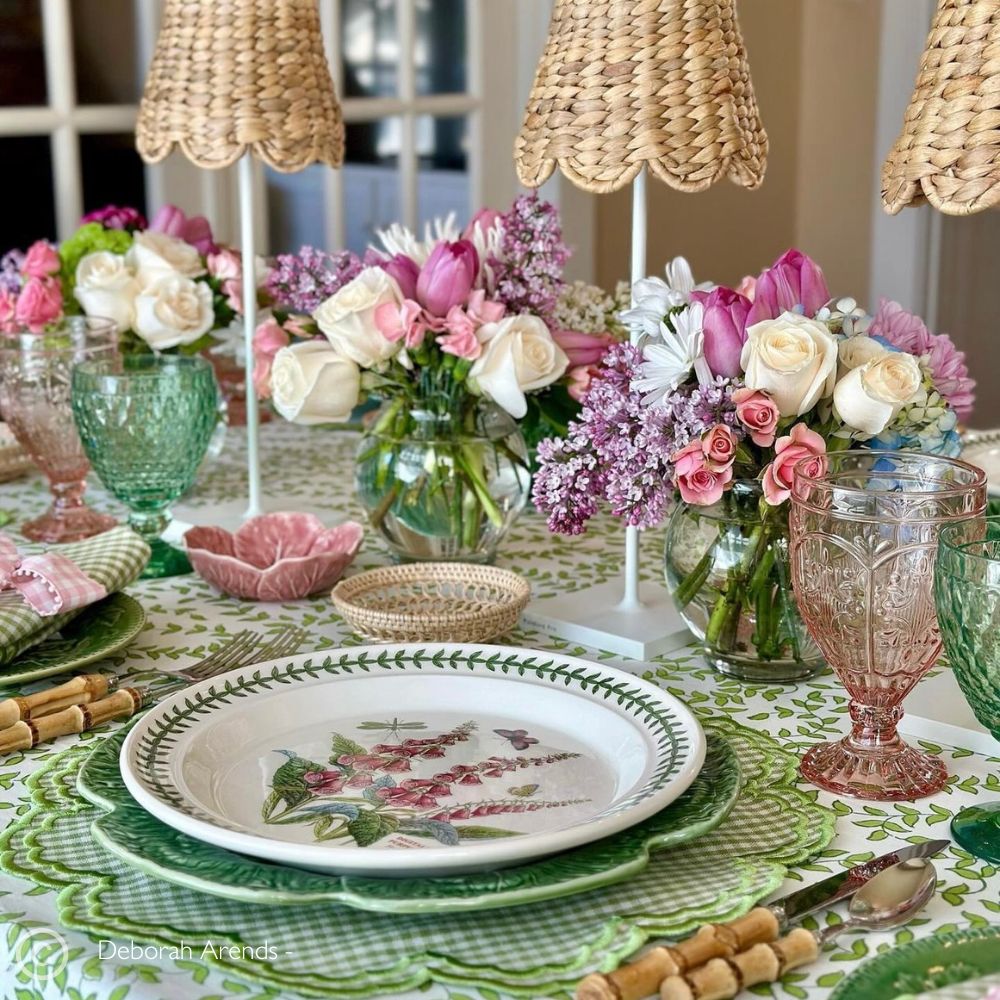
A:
{"points": [[926, 964], [412, 759], [97, 632], [132, 834], [982, 448]]}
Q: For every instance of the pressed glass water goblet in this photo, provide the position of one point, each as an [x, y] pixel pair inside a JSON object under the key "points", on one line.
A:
{"points": [[145, 421], [967, 590], [864, 536], [35, 371]]}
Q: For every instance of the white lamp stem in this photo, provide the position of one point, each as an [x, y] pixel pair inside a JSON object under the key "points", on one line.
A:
{"points": [[630, 600], [249, 325]]}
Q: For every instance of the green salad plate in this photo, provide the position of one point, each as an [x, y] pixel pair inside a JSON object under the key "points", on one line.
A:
{"points": [[132, 834], [97, 632], [930, 963]]}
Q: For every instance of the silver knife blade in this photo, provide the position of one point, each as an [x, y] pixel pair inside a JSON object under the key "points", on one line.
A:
{"points": [[843, 885]]}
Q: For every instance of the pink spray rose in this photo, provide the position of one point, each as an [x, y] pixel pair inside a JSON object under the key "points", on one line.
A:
{"points": [[196, 230], [41, 260], [482, 310], [403, 322], [800, 443], [268, 339], [719, 447], [405, 272], [8, 306], [448, 276], [39, 304], [695, 479], [758, 413], [583, 349], [793, 280], [460, 338], [485, 218], [116, 217], [725, 327]]}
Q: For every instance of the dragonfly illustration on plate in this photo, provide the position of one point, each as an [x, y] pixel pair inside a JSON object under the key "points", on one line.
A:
{"points": [[519, 738], [395, 727]]}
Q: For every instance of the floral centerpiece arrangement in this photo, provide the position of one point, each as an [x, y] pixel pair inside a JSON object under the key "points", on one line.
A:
{"points": [[727, 390], [460, 334]]}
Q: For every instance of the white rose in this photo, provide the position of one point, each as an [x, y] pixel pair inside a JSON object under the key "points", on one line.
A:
{"points": [[870, 396], [793, 358], [174, 310], [347, 318], [313, 384], [519, 355], [156, 255], [857, 351], [105, 286]]}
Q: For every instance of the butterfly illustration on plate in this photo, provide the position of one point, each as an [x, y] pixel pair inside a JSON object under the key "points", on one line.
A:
{"points": [[519, 738], [523, 791]]}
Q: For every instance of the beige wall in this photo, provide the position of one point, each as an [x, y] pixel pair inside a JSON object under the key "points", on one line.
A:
{"points": [[814, 66]]}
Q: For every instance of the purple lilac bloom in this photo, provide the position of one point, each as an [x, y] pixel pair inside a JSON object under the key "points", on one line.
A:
{"points": [[10, 271], [620, 452], [529, 270], [302, 281]]}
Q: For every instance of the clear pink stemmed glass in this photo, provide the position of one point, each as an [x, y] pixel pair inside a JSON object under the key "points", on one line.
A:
{"points": [[864, 537], [35, 374]]}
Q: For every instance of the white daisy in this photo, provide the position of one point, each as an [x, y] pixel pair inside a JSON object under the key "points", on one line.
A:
{"points": [[653, 298], [670, 359]]}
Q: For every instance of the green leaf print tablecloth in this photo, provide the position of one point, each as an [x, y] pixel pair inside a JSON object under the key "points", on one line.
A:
{"points": [[311, 468]]}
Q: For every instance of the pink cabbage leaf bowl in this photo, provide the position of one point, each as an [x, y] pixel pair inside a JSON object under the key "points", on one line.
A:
{"points": [[274, 557]]}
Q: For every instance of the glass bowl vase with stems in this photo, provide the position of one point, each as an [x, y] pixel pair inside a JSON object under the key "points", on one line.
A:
{"points": [[727, 571], [35, 386], [442, 480]]}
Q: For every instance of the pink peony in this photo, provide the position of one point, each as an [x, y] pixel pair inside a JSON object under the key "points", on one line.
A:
{"points": [[41, 260], [403, 322], [460, 338], [224, 265], [696, 481], [794, 280], [196, 230], [8, 306], [39, 304], [116, 217], [725, 328], [758, 413], [268, 339], [405, 272], [800, 444], [482, 310], [448, 276], [583, 349], [719, 447]]}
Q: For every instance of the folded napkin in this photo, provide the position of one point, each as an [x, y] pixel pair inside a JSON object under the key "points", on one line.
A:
{"points": [[113, 560]]}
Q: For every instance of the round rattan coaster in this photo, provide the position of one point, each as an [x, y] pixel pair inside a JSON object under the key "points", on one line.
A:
{"points": [[432, 602]]}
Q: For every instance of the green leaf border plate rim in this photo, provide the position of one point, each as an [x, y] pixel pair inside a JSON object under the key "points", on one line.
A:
{"points": [[140, 840], [879, 976], [120, 613]]}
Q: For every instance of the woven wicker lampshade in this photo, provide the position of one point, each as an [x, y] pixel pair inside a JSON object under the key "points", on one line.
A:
{"points": [[236, 76], [949, 150], [628, 83]]}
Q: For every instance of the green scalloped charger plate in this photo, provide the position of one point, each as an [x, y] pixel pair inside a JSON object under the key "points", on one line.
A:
{"points": [[929, 963], [97, 632], [132, 834]]}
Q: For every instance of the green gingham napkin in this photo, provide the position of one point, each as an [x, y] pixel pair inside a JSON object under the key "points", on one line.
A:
{"points": [[114, 558]]}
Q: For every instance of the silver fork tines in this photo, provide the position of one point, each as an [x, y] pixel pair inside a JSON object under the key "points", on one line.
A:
{"points": [[286, 642], [234, 653]]}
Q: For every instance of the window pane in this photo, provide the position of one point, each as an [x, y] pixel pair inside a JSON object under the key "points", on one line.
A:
{"points": [[371, 180], [443, 182], [103, 76], [22, 55], [26, 169], [112, 172], [370, 48], [296, 209], [440, 50]]}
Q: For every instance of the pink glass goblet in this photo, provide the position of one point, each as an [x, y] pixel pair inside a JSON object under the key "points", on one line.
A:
{"points": [[864, 535], [35, 374]]}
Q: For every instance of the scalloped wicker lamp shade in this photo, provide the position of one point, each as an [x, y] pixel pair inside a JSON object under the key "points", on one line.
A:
{"points": [[624, 84], [236, 76], [949, 149]]}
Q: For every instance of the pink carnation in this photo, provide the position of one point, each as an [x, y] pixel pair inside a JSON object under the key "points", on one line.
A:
{"points": [[404, 322], [224, 265], [799, 444], [460, 338], [268, 339]]}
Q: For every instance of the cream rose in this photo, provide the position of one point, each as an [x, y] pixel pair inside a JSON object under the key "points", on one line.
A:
{"points": [[105, 286], [156, 255], [519, 355], [855, 352], [870, 396], [172, 311], [311, 383], [792, 358], [347, 318]]}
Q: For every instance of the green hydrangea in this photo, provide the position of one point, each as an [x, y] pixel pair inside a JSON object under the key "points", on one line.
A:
{"points": [[89, 238]]}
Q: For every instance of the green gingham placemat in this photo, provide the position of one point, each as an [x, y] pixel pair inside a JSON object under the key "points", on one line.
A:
{"points": [[114, 558], [531, 951]]}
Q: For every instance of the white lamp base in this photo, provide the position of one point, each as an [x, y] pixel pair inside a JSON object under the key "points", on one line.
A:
{"points": [[593, 617]]}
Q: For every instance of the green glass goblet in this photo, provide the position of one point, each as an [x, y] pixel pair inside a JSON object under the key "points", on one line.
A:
{"points": [[145, 421], [967, 593]]}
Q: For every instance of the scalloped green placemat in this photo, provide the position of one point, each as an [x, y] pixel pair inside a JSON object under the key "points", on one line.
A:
{"points": [[531, 951]]}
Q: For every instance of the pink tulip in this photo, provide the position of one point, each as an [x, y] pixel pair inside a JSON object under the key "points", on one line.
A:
{"points": [[405, 271], [485, 218], [448, 276], [725, 326], [795, 280], [758, 413], [697, 483], [39, 304], [460, 339], [583, 349], [196, 230], [747, 286], [268, 339], [799, 444], [41, 260]]}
